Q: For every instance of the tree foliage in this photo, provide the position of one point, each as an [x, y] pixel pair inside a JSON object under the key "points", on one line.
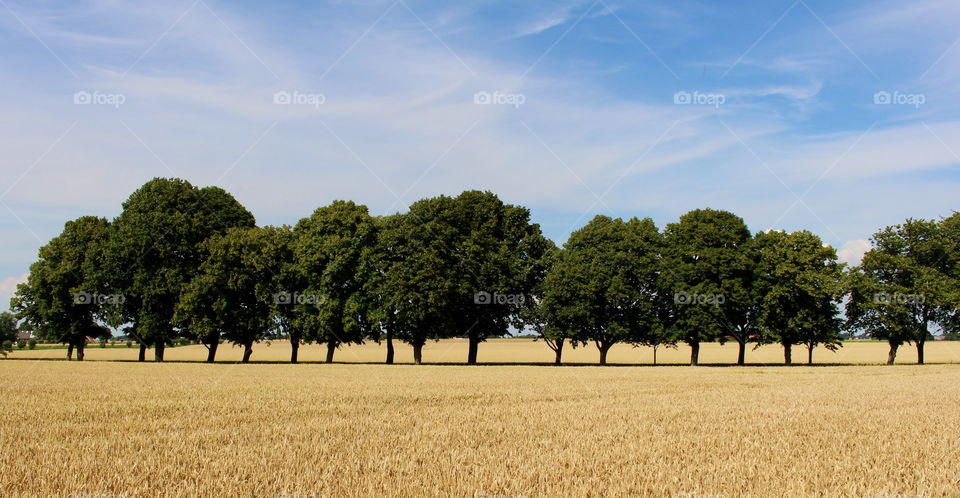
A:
{"points": [[58, 301], [184, 262], [330, 250], [800, 282], [603, 287], [410, 283], [709, 273], [233, 294], [8, 327], [156, 247], [904, 285]]}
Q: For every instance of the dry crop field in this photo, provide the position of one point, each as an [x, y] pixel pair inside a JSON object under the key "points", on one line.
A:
{"points": [[529, 351], [104, 428]]}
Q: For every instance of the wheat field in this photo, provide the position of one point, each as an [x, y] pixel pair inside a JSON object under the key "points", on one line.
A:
{"points": [[527, 351], [144, 429]]}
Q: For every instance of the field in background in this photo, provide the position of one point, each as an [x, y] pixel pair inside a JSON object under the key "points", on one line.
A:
{"points": [[529, 351], [100, 428]]}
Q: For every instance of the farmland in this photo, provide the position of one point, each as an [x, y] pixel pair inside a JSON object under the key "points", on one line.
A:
{"points": [[528, 351], [99, 428]]}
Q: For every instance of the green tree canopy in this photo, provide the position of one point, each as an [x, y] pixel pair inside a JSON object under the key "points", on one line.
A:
{"points": [[58, 301], [493, 255], [281, 279], [409, 283], [534, 314], [904, 285], [156, 247], [710, 275], [330, 249], [603, 287], [8, 327], [232, 296], [800, 282]]}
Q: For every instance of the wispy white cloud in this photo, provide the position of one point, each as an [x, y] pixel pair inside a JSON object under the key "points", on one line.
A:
{"points": [[202, 102], [540, 25]]}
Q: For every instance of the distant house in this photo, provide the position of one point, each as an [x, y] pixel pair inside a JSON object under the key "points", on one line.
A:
{"points": [[24, 335]]}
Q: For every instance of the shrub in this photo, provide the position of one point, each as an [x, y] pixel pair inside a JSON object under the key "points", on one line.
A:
{"points": [[129, 343], [5, 348], [32, 344], [21, 344], [103, 343]]}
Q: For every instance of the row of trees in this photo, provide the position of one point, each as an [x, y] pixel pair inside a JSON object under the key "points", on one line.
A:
{"points": [[187, 262]]}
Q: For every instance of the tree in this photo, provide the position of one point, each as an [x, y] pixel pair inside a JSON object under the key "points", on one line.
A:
{"points": [[741, 307], [950, 266], [232, 295], [604, 284], [8, 327], [556, 337], [800, 282], [659, 336], [709, 274], [903, 285], [282, 279], [461, 266], [329, 249], [155, 248], [409, 286], [57, 301], [497, 256], [534, 315]]}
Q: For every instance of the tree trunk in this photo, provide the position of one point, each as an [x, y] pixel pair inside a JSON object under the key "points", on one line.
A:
{"points": [[212, 351], [418, 353], [695, 353], [920, 352], [80, 352], [558, 351], [331, 348], [247, 351], [143, 352], [294, 348], [69, 352], [810, 348], [788, 354], [472, 353], [893, 354], [390, 352], [742, 352], [655, 355], [603, 352], [158, 351]]}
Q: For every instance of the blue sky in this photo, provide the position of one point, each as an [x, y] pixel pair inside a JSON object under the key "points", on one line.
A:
{"points": [[774, 110]]}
